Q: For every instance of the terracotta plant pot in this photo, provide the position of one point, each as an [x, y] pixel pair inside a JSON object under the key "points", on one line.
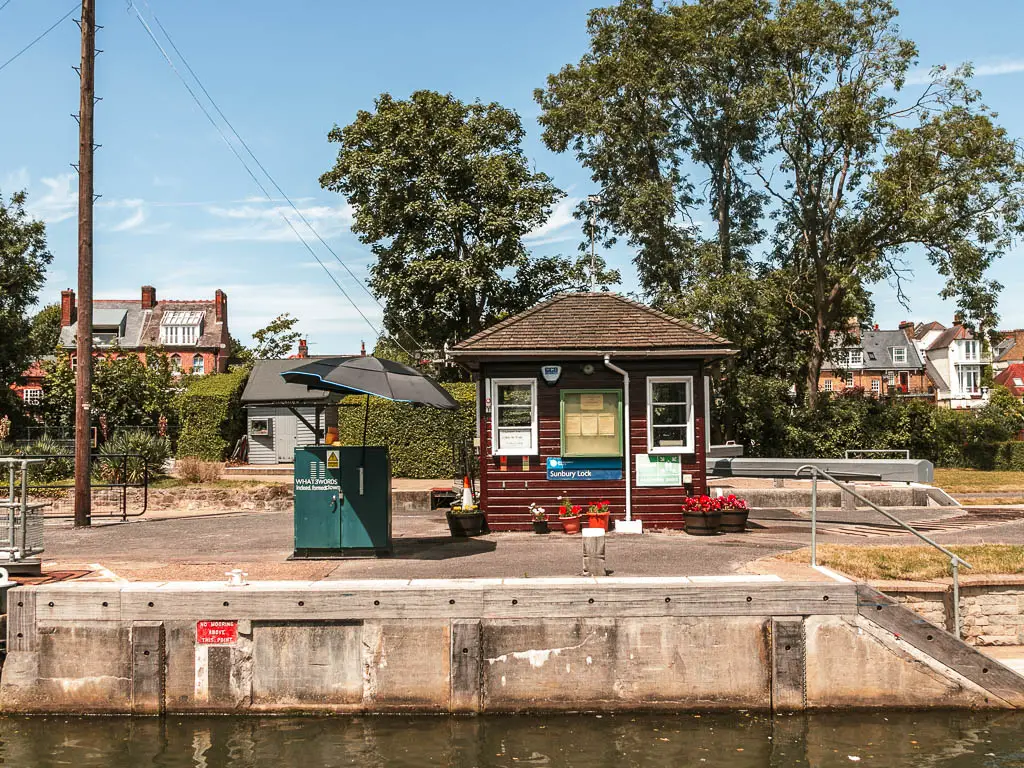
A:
{"points": [[541, 526], [734, 520], [698, 524], [599, 520], [570, 524], [466, 525]]}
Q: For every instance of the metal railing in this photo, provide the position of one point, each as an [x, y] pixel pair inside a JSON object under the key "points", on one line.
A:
{"points": [[886, 451], [21, 522], [955, 560]]}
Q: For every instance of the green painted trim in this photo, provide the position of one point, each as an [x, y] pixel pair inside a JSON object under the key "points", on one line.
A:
{"points": [[561, 424]]}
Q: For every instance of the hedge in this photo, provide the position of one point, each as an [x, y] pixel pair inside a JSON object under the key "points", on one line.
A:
{"points": [[1010, 456], [421, 440], [211, 415]]}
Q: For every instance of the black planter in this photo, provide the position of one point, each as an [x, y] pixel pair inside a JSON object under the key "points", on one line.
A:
{"points": [[734, 520], [466, 525], [541, 526], [698, 524]]}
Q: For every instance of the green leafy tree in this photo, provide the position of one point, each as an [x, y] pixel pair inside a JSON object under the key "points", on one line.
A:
{"points": [[238, 353], [443, 194], [24, 257], [860, 175], [276, 339], [46, 330]]}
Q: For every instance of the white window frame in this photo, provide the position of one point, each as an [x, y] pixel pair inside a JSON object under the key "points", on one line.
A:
{"points": [[899, 355], [890, 378], [534, 448], [201, 368], [690, 446], [32, 395], [828, 385], [971, 349], [849, 381], [876, 386], [853, 357], [975, 374]]}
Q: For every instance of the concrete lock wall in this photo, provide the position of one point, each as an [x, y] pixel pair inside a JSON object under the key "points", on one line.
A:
{"points": [[481, 646]]}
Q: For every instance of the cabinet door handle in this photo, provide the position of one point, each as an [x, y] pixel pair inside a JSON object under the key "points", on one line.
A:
{"points": [[334, 504]]}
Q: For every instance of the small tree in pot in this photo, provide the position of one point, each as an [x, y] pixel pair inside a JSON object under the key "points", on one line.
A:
{"points": [[702, 515]]}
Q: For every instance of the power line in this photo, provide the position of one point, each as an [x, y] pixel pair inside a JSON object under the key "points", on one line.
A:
{"points": [[267, 173], [44, 34], [245, 165], [8, 2]]}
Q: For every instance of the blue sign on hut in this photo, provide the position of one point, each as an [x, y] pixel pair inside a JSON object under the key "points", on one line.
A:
{"points": [[556, 387]]}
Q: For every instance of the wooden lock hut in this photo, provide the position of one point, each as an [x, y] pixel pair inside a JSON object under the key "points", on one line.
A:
{"points": [[557, 386]]}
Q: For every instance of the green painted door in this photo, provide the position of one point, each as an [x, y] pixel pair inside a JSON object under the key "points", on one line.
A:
{"points": [[366, 507], [317, 498]]}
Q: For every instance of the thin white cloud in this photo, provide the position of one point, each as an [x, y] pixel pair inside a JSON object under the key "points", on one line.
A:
{"points": [[134, 221], [59, 202], [553, 230], [991, 68], [266, 223], [14, 181]]}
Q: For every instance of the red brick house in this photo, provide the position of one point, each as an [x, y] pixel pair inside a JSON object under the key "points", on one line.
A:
{"points": [[556, 416], [1012, 378], [192, 332], [30, 385]]}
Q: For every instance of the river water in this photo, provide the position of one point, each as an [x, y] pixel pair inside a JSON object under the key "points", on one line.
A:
{"points": [[738, 740]]}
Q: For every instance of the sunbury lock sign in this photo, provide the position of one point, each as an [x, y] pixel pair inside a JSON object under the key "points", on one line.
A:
{"points": [[319, 479], [583, 469]]}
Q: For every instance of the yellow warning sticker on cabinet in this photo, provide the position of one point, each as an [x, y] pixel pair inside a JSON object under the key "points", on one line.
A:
{"points": [[332, 460]]}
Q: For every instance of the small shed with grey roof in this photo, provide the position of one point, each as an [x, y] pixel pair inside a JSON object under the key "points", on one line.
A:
{"points": [[281, 416]]}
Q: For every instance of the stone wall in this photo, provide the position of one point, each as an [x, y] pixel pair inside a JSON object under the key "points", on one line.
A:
{"points": [[991, 608], [479, 645]]}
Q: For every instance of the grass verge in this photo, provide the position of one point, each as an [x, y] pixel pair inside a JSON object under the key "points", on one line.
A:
{"points": [[913, 563], [978, 481]]}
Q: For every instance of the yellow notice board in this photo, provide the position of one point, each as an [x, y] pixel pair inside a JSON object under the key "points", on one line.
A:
{"points": [[591, 402]]}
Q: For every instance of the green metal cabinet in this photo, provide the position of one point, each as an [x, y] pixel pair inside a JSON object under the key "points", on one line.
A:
{"points": [[342, 501]]}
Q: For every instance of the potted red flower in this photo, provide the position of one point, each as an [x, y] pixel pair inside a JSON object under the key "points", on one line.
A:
{"points": [[569, 515], [734, 514], [702, 515], [598, 514]]}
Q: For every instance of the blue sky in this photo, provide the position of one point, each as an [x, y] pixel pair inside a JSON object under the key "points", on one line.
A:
{"points": [[180, 213]]}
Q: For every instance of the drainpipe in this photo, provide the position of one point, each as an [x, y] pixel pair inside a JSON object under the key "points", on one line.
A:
{"points": [[629, 456]]}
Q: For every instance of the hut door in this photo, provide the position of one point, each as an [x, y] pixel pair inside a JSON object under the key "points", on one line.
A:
{"points": [[285, 425]]}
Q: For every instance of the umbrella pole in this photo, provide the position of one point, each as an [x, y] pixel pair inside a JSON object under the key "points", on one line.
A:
{"points": [[366, 424]]}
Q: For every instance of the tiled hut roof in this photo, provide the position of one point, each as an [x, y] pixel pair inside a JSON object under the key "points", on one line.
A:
{"points": [[590, 323]]}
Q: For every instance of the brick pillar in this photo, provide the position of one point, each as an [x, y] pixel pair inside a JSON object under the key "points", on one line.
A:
{"points": [[148, 297]]}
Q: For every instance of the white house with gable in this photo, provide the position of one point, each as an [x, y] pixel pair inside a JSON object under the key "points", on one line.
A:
{"points": [[954, 359]]}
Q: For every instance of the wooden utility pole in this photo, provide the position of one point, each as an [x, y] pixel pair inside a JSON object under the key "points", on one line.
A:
{"points": [[83, 378]]}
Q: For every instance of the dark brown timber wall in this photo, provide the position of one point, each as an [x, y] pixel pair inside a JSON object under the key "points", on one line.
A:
{"points": [[506, 494]]}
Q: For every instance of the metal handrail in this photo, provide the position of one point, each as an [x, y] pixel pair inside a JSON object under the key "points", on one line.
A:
{"points": [[955, 560]]}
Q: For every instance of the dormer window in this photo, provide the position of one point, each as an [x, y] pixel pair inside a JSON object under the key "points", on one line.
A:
{"points": [[849, 357], [181, 328], [899, 354]]}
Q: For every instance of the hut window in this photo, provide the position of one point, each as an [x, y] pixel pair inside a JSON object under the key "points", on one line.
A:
{"points": [[591, 422], [515, 417], [670, 414]]}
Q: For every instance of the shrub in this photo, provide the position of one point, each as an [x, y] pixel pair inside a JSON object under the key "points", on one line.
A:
{"points": [[1010, 456], [195, 470], [423, 442], [60, 461], [211, 415], [131, 456]]}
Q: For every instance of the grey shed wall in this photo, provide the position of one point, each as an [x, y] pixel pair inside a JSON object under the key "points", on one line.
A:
{"points": [[263, 450]]}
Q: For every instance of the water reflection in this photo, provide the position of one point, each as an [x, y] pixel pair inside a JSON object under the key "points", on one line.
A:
{"points": [[740, 740]]}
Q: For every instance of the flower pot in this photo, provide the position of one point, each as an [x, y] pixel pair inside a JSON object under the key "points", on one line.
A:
{"points": [[466, 525], [698, 524], [570, 524], [541, 526], [599, 520], [734, 520]]}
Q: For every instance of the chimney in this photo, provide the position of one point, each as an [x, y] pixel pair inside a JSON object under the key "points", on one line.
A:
{"points": [[853, 327], [148, 297], [362, 349], [303, 348], [958, 319], [907, 327], [220, 302], [67, 307]]}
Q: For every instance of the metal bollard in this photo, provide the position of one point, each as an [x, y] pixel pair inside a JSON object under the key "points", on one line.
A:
{"points": [[593, 552]]}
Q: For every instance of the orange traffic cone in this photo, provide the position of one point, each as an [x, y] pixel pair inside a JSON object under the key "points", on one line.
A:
{"points": [[467, 493]]}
